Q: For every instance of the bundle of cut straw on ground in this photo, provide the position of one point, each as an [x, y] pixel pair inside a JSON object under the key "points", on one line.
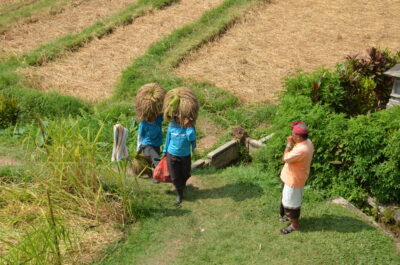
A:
{"points": [[141, 164], [149, 101], [180, 104]]}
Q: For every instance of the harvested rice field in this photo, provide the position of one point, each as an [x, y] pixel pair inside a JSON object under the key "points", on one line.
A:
{"points": [[275, 39], [69, 18], [93, 71], [7, 2], [64, 201]]}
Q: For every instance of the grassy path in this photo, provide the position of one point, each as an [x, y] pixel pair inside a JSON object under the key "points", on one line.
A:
{"points": [[230, 217]]}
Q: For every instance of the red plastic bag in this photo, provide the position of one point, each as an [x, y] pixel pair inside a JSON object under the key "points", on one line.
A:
{"points": [[161, 172]]}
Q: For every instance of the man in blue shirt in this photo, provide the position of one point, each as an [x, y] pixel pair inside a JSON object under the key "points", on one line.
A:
{"points": [[180, 143]]}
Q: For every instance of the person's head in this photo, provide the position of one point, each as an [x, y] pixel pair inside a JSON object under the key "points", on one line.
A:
{"points": [[299, 131]]}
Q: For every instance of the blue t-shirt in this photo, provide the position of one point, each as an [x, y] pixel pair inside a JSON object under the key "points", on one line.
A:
{"points": [[150, 133], [179, 140]]}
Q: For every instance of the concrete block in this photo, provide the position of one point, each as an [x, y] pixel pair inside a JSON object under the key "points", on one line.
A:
{"points": [[252, 145], [200, 163], [225, 154], [266, 138]]}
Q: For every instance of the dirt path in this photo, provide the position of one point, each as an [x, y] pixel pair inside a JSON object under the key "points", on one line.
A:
{"points": [[92, 72], [68, 19], [275, 39]]}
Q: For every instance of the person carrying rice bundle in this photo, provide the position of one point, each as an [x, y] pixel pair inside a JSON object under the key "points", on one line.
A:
{"points": [[148, 104], [181, 108]]}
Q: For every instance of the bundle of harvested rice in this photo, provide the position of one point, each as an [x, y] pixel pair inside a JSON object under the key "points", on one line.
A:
{"points": [[149, 101], [180, 104], [141, 164]]}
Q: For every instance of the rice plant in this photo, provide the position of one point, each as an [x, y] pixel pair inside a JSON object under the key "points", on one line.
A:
{"points": [[74, 184]]}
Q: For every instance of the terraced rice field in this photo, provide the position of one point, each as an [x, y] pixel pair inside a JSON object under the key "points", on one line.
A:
{"points": [[270, 41], [275, 39], [7, 2], [93, 71], [67, 19]]}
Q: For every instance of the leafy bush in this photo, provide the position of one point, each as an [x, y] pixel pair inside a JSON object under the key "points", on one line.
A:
{"points": [[50, 105], [367, 88], [322, 86], [357, 86], [353, 157], [9, 110]]}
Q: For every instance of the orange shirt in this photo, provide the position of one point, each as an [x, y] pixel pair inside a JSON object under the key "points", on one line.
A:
{"points": [[297, 164]]}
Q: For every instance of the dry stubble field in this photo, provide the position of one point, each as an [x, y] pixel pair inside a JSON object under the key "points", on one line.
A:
{"points": [[93, 71], [72, 17], [275, 39]]}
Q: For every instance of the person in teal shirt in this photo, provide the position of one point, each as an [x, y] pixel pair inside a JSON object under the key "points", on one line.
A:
{"points": [[180, 143], [150, 139]]}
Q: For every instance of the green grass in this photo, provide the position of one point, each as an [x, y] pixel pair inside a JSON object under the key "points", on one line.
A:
{"points": [[232, 219]]}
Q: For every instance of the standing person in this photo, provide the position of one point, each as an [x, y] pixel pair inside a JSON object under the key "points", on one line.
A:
{"points": [[294, 174], [181, 108], [150, 139], [148, 104], [180, 143]]}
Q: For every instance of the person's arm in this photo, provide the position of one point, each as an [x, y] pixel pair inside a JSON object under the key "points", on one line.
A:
{"points": [[166, 142], [288, 147], [293, 155], [191, 136], [140, 136]]}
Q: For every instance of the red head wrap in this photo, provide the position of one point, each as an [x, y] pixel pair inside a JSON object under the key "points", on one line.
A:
{"points": [[299, 127]]}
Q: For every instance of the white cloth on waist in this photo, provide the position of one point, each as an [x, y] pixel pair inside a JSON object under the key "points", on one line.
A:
{"points": [[292, 197], [120, 151]]}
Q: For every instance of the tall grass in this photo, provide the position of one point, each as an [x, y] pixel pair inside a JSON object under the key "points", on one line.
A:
{"points": [[74, 183]]}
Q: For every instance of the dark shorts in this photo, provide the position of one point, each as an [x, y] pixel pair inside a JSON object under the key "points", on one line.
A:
{"points": [[179, 169], [291, 213]]}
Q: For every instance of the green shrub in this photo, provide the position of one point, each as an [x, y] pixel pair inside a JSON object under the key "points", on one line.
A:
{"points": [[367, 88], [353, 157], [356, 148], [9, 110], [322, 86], [357, 86], [51, 104]]}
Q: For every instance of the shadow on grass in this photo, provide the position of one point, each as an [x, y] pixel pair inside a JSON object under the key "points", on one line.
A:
{"points": [[237, 191], [206, 171], [337, 223], [169, 212]]}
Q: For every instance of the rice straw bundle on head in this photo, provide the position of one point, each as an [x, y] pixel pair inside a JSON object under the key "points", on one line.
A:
{"points": [[149, 101], [179, 104]]}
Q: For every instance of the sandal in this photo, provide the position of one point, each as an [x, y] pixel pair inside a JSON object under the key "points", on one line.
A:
{"points": [[287, 230], [284, 219]]}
